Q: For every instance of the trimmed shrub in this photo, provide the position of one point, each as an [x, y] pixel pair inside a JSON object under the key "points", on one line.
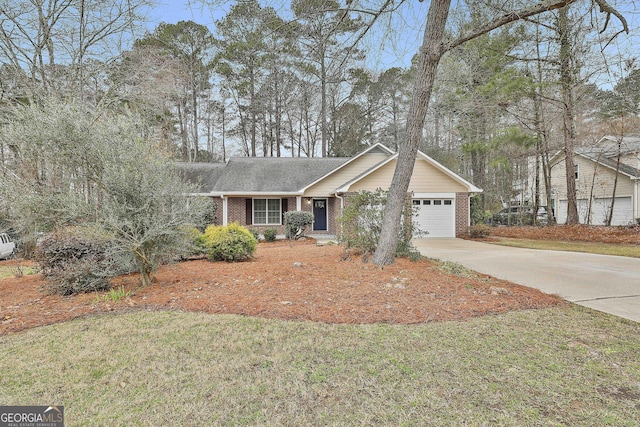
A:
{"points": [[229, 243], [296, 222], [270, 234], [255, 233], [198, 244], [75, 260], [479, 231]]}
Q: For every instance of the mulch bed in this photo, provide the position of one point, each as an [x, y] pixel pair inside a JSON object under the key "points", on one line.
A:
{"points": [[299, 281], [573, 233]]}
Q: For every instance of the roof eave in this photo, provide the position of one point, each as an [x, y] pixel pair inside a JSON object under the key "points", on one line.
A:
{"points": [[631, 176], [254, 193]]}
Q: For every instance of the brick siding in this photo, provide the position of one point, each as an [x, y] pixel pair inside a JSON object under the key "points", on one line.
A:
{"points": [[462, 214]]}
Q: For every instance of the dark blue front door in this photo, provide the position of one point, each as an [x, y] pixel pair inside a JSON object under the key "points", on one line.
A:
{"points": [[319, 214]]}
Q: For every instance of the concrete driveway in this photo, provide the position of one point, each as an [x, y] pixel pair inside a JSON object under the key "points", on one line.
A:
{"points": [[607, 283]]}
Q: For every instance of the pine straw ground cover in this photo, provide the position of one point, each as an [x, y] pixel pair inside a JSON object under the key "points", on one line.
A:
{"points": [[573, 233], [299, 281]]}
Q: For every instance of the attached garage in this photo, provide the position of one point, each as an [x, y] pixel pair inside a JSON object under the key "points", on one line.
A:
{"points": [[436, 216]]}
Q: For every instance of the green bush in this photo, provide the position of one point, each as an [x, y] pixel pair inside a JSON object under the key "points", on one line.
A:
{"points": [[476, 212], [198, 244], [270, 234], [479, 231], [255, 233], [229, 243], [76, 260], [296, 222]]}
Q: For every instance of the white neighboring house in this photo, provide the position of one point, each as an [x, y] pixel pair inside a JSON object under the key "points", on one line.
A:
{"points": [[7, 246], [596, 168]]}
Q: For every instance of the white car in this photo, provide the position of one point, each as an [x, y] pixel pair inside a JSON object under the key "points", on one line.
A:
{"points": [[7, 246]]}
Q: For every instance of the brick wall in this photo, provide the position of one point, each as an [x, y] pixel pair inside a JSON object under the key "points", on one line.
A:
{"points": [[462, 214], [237, 212]]}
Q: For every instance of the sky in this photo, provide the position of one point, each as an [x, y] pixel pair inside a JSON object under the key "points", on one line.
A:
{"points": [[391, 49], [388, 48]]}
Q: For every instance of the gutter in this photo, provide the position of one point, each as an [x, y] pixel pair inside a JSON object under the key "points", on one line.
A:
{"points": [[253, 193]]}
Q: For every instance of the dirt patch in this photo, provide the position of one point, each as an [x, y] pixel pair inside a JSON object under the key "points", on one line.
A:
{"points": [[302, 281]]}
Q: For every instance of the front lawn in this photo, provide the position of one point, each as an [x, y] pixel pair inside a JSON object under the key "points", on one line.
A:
{"points": [[563, 365]]}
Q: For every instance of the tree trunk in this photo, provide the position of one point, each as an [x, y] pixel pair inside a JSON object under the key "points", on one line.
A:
{"points": [[615, 182], [144, 268], [252, 90], [183, 133], [569, 125], [429, 56], [323, 106]]}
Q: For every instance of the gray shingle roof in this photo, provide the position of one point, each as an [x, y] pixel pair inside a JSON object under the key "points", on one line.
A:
{"points": [[277, 174], [628, 144], [204, 175], [608, 161]]}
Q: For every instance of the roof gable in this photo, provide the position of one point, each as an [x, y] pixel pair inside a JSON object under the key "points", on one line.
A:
{"points": [[610, 163], [375, 149], [421, 156]]}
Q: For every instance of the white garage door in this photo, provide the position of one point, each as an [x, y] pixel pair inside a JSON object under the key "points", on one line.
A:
{"points": [[622, 211], [436, 217]]}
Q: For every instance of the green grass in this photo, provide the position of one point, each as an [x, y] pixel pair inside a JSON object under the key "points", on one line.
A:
{"points": [[11, 271], [560, 366], [594, 248]]}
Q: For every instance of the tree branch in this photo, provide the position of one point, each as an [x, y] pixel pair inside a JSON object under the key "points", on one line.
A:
{"points": [[544, 6], [609, 10]]}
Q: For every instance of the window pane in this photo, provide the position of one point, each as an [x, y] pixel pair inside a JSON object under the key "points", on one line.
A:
{"points": [[273, 211], [259, 217], [274, 204], [437, 202], [274, 217], [447, 202], [259, 205], [259, 211], [426, 202]]}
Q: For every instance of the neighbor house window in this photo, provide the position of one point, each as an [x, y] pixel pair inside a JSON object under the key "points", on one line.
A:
{"points": [[577, 169], [266, 211]]}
